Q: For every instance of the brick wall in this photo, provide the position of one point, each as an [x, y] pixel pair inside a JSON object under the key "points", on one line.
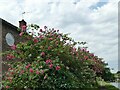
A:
{"points": [[8, 28]]}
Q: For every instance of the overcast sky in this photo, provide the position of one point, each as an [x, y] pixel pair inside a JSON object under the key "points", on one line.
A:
{"points": [[93, 21]]}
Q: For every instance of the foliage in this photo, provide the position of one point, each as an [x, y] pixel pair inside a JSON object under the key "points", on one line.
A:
{"points": [[107, 75], [117, 76], [118, 72], [110, 87], [50, 60]]}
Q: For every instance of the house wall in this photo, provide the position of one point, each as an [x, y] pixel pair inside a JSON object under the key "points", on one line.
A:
{"points": [[8, 28]]}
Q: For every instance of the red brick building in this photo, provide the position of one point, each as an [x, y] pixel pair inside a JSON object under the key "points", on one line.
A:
{"points": [[9, 35]]}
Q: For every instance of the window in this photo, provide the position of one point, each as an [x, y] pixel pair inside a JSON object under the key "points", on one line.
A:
{"points": [[9, 39]]}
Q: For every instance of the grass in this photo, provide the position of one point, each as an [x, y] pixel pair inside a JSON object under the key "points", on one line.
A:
{"points": [[106, 86], [111, 87]]}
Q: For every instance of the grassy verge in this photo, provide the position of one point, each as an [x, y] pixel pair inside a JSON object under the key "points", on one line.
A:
{"points": [[106, 86], [111, 87]]}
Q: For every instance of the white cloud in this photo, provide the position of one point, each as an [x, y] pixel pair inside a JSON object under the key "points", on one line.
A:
{"points": [[96, 26]]}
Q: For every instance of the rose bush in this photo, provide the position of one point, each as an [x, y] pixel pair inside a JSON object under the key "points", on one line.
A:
{"points": [[50, 59]]}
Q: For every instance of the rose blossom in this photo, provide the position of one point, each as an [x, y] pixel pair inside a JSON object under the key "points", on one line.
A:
{"points": [[85, 57], [48, 61], [21, 33], [49, 48], [56, 42], [9, 57], [50, 66], [22, 71], [42, 71], [50, 38], [9, 69], [37, 72], [7, 87], [41, 37], [59, 36], [83, 49], [13, 47], [12, 73], [74, 50], [31, 70], [24, 28], [10, 80], [27, 66], [45, 76], [92, 55], [58, 68], [42, 54], [35, 40]]}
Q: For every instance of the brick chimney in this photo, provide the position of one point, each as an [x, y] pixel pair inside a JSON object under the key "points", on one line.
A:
{"points": [[22, 23]]}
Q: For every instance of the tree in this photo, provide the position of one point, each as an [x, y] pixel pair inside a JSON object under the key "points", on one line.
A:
{"points": [[118, 72], [107, 75], [50, 60]]}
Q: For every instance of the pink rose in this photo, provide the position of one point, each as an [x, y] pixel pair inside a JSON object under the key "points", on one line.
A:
{"points": [[48, 61], [27, 67], [35, 40], [12, 73], [56, 42], [49, 48], [87, 51], [83, 49], [21, 33], [9, 57], [13, 47], [45, 76], [42, 71], [24, 28], [41, 37], [50, 38], [9, 69], [74, 50], [85, 57], [42, 54], [58, 68], [59, 36], [37, 72], [31, 70], [92, 55], [10, 80], [22, 71], [7, 87], [50, 66]]}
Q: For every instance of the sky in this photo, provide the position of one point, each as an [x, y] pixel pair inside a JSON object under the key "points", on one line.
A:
{"points": [[92, 21]]}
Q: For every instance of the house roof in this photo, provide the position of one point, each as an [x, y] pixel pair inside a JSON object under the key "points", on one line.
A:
{"points": [[8, 24]]}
